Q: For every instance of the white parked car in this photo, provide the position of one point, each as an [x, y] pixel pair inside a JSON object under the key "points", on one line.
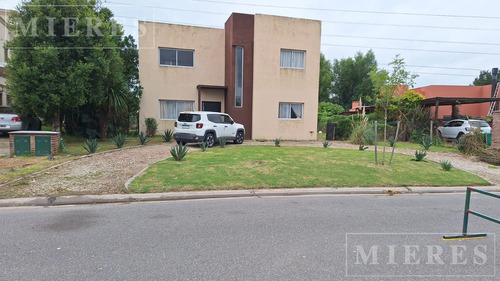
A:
{"points": [[10, 122], [208, 127], [456, 128]]}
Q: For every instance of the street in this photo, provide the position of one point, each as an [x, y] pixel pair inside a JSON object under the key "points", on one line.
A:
{"points": [[274, 238]]}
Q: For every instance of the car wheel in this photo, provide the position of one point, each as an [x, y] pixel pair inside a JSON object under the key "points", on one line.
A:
{"points": [[183, 143], [239, 137], [210, 140], [459, 136]]}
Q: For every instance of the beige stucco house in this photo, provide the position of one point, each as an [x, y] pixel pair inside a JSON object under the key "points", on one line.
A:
{"points": [[262, 70], [5, 35]]}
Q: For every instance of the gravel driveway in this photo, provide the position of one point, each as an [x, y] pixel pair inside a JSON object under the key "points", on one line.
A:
{"points": [[108, 172]]}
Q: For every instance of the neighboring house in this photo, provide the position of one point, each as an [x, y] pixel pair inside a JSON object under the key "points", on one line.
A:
{"points": [[476, 110], [262, 70], [5, 35]]}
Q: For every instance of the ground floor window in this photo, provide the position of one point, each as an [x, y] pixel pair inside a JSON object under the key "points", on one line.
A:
{"points": [[290, 110], [170, 109]]}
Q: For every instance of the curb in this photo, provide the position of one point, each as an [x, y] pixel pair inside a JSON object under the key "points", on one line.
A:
{"points": [[258, 193]]}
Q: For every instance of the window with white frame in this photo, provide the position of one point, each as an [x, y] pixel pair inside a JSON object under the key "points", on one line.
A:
{"points": [[238, 87], [292, 59], [176, 57], [290, 110], [170, 109]]}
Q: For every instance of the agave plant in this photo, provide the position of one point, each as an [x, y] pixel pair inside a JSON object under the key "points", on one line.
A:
{"points": [[426, 142], [143, 138], [326, 144], [222, 142], [178, 152], [446, 165], [91, 145], [277, 142], [168, 135], [420, 155], [119, 140], [203, 146]]}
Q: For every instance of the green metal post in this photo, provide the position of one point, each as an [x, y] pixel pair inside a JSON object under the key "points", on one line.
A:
{"points": [[466, 212]]}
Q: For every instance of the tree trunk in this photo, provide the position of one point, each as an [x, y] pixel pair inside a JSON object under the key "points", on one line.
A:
{"points": [[56, 121], [385, 136], [104, 124]]}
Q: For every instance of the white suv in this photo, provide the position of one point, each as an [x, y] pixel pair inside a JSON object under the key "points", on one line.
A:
{"points": [[208, 127]]}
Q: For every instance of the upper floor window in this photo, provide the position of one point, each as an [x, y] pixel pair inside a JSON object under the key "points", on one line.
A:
{"points": [[176, 57], [238, 87], [293, 59]]}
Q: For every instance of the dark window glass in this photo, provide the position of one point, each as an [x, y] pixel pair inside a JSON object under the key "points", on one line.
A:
{"points": [[238, 91], [189, 118], [214, 118], [167, 57], [185, 58], [226, 119]]}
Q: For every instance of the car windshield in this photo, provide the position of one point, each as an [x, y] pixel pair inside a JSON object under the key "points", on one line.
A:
{"points": [[186, 117]]}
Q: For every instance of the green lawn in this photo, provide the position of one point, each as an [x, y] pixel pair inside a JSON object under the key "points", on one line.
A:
{"points": [[251, 167]]}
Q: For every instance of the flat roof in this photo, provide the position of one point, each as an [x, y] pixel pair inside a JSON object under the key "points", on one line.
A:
{"points": [[455, 101]]}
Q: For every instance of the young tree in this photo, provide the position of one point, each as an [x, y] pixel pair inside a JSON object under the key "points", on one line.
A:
{"points": [[389, 85]]}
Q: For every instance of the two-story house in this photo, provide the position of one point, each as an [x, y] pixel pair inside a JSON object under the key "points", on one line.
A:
{"points": [[5, 35], [262, 70]]}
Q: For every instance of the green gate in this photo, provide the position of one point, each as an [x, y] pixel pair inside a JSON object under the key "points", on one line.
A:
{"points": [[22, 145], [42, 146]]}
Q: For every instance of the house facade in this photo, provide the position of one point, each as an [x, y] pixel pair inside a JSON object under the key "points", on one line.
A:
{"points": [[476, 110], [262, 70]]}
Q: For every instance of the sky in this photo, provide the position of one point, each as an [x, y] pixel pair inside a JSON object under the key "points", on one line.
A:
{"points": [[444, 42]]}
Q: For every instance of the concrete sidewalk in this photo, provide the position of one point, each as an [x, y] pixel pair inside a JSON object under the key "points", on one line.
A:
{"points": [[171, 196]]}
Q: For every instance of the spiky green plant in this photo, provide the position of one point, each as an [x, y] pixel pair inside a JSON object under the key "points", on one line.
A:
{"points": [[326, 144], [151, 127], [277, 142], [168, 135], [91, 145], [426, 142], [222, 142], [420, 155], [446, 165], [143, 138], [119, 140], [391, 141], [178, 152], [362, 147], [203, 146]]}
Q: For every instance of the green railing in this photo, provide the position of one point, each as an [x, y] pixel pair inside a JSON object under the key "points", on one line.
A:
{"points": [[468, 211]]}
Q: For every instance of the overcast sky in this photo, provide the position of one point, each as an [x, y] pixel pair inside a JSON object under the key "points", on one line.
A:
{"points": [[444, 42]]}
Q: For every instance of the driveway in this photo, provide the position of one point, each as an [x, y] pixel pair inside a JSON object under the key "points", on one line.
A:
{"points": [[4, 145]]}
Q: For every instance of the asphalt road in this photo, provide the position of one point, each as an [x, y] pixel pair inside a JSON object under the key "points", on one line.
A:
{"points": [[282, 238]]}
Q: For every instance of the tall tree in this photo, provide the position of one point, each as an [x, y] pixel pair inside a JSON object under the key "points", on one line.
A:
{"points": [[485, 77], [389, 85], [325, 79], [65, 58], [352, 80]]}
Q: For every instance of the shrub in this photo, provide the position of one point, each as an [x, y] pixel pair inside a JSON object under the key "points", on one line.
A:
{"points": [[178, 152], [277, 142], [420, 155], [222, 142], [91, 145], [473, 143], [167, 135], [361, 132], [143, 138], [490, 156], [446, 165], [426, 142], [417, 135], [119, 140], [203, 146], [151, 127], [326, 144]]}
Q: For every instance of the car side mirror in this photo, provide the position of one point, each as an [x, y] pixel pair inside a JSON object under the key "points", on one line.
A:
{"points": [[232, 122]]}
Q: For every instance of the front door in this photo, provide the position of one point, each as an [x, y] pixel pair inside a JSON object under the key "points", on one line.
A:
{"points": [[214, 106]]}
